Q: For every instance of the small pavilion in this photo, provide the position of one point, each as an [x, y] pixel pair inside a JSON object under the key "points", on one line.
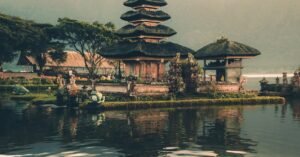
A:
{"points": [[225, 58], [144, 51]]}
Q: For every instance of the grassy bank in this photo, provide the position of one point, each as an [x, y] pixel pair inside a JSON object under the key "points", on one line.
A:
{"points": [[36, 98], [32, 88], [191, 102]]}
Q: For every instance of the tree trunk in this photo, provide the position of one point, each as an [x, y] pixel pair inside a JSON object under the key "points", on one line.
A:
{"points": [[41, 60], [41, 70], [1, 70]]}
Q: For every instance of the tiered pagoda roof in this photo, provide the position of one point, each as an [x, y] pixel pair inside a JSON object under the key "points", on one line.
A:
{"points": [[145, 33], [145, 15], [129, 49], [144, 30], [134, 3]]}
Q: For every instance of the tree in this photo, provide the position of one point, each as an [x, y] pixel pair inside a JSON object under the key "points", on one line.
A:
{"points": [[13, 34], [176, 84], [43, 45], [190, 73], [88, 39], [28, 37]]}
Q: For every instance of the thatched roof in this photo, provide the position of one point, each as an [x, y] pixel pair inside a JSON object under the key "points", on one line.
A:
{"points": [[225, 48], [133, 31], [145, 14], [144, 49], [133, 3], [73, 59]]}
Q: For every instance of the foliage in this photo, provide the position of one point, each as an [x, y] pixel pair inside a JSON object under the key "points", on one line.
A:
{"points": [[14, 33], [231, 95], [28, 37], [190, 73], [176, 84], [87, 39], [31, 88]]}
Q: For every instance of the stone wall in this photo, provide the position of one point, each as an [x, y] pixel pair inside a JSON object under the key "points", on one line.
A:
{"points": [[139, 89], [228, 87], [219, 87], [112, 88], [5, 75], [151, 90]]}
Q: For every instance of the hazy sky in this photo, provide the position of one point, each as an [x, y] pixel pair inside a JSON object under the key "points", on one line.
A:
{"points": [[272, 26]]}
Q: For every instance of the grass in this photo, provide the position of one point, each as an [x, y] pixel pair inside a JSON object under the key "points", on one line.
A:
{"points": [[36, 98], [30, 87], [39, 98], [192, 102]]}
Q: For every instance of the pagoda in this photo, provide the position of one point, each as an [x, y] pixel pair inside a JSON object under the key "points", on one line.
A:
{"points": [[143, 49]]}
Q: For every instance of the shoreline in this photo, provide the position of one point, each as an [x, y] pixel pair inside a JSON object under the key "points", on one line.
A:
{"points": [[134, 105]]}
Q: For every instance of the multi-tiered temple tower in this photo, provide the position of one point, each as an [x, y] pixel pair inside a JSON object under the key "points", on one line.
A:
{"points": [[144, 50]]}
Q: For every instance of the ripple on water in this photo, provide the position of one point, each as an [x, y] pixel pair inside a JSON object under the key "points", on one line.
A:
{"points": [[192, 153]]}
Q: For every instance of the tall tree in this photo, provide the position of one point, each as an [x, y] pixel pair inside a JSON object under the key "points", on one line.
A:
{"points": [[44, 46], [28, 37], [88, 39], [13, 32]]}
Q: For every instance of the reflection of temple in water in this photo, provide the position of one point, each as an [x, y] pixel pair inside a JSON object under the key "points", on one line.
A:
{"points": [[144, 123], [224, 132], [295, 105]]}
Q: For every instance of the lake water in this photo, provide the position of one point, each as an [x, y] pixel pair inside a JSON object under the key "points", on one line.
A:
{"points": [[263, 131]]}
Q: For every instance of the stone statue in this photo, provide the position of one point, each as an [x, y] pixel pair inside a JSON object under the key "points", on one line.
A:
{"points": [[295, 81], [243, 81], [284, 79], [277, 81]]}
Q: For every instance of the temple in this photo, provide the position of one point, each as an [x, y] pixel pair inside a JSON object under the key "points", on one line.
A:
{"points": [[225, 58], [143, 50]]}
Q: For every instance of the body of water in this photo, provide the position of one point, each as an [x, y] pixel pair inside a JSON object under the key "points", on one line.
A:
{"points": [[226, 131]]}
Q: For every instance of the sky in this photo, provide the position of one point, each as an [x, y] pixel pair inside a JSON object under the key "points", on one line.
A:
{"points": [[271, 26]]}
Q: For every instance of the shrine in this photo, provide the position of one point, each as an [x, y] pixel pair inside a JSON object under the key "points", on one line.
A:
{"points": [[144, 51], [225, 58]]}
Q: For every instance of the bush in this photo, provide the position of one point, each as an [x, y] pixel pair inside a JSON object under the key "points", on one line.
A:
{"points": [[46, 81], [36, 81]]}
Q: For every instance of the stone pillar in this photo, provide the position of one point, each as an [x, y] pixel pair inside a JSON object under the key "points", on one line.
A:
{"points": [[137, 69], [148, 71], [143, 70], [284, 79], [127, 69], [154, 71], [204, 71], [226, 70], [161, 71]]}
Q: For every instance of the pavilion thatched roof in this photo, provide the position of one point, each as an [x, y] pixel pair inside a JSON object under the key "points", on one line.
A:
{"points": [[129, 49], [133, 31], [225, 48], [133, 3], [145, 14]]}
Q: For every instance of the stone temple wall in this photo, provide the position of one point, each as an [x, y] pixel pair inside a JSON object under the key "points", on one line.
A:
{"points": [[4, 75], [219, 87], [139, 89]]}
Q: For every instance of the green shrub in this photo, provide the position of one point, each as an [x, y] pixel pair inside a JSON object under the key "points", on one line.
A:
{"points": [[36, 81]]}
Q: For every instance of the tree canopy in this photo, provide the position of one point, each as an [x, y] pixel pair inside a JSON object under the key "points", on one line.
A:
{"points": [[14, 32], [88, 39], [31, 38]]}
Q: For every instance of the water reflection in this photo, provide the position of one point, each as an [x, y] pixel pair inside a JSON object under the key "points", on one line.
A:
{"points": [[295, 106], [174, 132]]}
